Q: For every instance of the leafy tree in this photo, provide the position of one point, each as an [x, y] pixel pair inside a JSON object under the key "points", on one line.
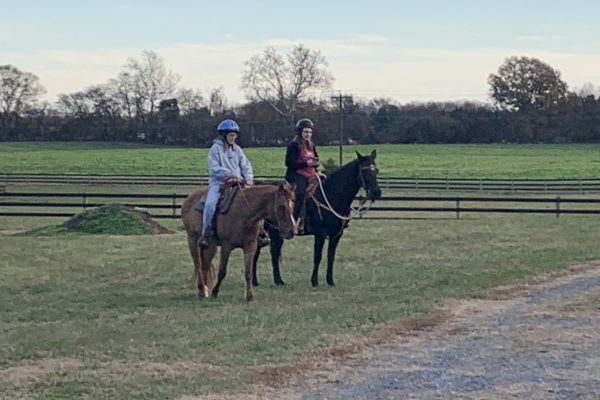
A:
{"points": [[526, 83]]}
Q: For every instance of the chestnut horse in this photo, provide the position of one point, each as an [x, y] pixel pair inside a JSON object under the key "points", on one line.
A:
{"points": [[238, 228]]}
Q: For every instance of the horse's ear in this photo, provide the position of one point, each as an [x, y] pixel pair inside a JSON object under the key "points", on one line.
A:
{"points": [[374, 154], [358, 155]]}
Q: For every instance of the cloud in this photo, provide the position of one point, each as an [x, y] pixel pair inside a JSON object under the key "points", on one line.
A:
{"points": [[368, 67]]}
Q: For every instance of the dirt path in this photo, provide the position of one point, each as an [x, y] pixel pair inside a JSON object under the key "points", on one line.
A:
{"points": [[527, 341]]}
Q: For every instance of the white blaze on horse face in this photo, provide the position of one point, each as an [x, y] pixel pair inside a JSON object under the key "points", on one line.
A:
{"points": [[372, 167]]}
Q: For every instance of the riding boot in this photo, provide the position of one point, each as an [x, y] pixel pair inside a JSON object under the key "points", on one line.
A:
{"points": [[262, 240], [206, 238]]}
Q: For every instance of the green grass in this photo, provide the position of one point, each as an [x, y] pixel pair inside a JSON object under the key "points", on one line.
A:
{"points": [[115, 316], [456, 161], [120, 312]]}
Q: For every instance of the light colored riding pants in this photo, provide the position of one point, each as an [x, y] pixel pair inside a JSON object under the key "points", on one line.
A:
{"points": [[210, 207]]}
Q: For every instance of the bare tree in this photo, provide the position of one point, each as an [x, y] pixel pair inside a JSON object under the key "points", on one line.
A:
{"points": [[143, 83], [19, 90], [189, 100], [217, 102], [284, 81]]}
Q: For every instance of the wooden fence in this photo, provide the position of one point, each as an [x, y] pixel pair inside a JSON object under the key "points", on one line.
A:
{"points": [[23, 204], [557, 186]]}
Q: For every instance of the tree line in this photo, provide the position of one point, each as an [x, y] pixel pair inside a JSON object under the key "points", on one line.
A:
{"points": [[530, 103]]}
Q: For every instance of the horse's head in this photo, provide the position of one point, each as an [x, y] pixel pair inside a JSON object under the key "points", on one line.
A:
{"points": [[284, 205], [367, 175]]}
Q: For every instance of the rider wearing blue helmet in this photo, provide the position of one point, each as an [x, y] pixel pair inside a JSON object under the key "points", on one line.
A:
{"points": [[226, 160]]}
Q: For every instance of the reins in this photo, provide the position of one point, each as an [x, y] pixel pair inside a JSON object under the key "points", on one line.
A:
{"points": [[357, 211]]}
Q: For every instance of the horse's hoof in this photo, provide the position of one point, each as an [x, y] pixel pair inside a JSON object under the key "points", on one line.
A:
{"points": [[214, 295], [250, 297], [330, 283], [279, 283], [255, 283], [314, 283]]}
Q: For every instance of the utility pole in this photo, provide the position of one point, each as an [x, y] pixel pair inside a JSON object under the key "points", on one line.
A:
{"points": [[340, 100]]}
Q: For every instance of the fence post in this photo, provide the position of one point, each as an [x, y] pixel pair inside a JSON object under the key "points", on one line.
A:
{"points": [[557, 206], [84, 200], [174, 205], [458, 208]]}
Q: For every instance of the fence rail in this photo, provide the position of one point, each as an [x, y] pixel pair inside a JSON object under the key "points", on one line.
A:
{"points": [[450, 204], [586, 185]]}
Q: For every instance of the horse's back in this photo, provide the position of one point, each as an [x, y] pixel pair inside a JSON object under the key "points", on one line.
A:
{"points": [[189, 215]]}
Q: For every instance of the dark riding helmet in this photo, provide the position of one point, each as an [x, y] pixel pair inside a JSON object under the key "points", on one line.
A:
{"points": [[304, 123], [228, 125]]}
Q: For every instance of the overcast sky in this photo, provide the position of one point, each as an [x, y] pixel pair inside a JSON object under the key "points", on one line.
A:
{"points": [[405, 50]]}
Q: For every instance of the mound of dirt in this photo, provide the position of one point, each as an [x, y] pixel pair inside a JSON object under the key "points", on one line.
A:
{"points": [[115, 219]]}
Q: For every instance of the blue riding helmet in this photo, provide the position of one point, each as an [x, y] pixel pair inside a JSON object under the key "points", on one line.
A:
{"points": [[228, 125]]}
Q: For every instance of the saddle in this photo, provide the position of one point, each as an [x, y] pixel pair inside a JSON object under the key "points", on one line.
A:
{"points": [[228, 191]]}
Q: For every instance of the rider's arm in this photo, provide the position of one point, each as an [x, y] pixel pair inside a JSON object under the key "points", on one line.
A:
{"points": [[291, 157], [245, 166], [215, 169]]}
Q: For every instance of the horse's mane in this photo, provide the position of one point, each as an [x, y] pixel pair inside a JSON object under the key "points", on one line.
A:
{"points": [[341, 171]]}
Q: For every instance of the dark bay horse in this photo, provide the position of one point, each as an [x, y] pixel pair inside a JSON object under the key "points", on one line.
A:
{"points": [[328, 213], [238, 228]]}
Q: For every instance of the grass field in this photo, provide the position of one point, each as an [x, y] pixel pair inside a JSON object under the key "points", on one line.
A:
{"points": [[116, 317], [455, 161]]}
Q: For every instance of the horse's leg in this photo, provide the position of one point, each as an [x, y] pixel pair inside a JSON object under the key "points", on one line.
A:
{"points": [[224, 259], [319, 242], [276, 245], [254, 263], [198, 276], [249, 251], [206, 256], [333, 242]]}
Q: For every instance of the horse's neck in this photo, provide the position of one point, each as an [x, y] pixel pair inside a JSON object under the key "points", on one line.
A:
{"points": [[255, 203], [342, 186]]}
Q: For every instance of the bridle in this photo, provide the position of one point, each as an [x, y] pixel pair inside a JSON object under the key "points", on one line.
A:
{"points": [[361, 209]]}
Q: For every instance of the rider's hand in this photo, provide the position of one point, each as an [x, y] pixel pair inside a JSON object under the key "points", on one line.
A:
{"points": [[249, 183], [232, 175]]}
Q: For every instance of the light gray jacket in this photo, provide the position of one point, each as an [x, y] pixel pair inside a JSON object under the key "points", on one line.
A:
{"points": [[223, 159]]}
